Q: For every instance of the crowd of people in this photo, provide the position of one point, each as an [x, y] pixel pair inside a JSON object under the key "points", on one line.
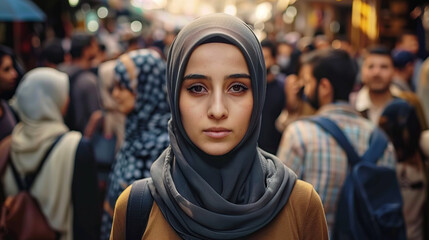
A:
{"points": [[218, 120]]}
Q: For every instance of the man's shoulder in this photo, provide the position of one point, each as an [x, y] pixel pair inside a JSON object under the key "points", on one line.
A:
{"points": [[86, 74], [86, 79], [302, 128], [409, 97], [308, 129]]}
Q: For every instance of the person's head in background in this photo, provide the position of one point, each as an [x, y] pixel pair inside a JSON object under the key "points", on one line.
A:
{"points": [[10, 72], [377, 70], [328, 75], [285, 57], [138, 83], [342, 42], [404, 62], [53, 54], [400, 122], [321, 41], [100, 57], [270, 52], [131, 43], [84, 49], [408, 41], [42, 96], [305, 44]]}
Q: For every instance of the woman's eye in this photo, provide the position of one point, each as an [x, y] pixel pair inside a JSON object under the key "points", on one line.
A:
{"points": [[238, 88], [196, 89]]}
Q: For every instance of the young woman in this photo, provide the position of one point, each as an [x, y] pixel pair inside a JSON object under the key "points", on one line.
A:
{"points": [[66, 187], [213, 182], [140, 94], [10, 73], [401, 123]]}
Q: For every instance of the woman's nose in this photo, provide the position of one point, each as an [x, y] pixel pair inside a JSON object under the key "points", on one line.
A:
{"points": [[218, 107]]}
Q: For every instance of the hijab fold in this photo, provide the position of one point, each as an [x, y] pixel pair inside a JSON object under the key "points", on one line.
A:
{"points": [[218, 197]]}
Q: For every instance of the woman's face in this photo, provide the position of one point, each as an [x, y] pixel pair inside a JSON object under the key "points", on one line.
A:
{"points": [[125, 99], [8, 74], [216, 98]]}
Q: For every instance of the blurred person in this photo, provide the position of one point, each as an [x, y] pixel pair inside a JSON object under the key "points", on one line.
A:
{"points": [[377, 76], [287, 58], [84, 96], [342, 42], [165, 43], [400, 121], [403, 62], [100, 57], [408, 41], [213, 182], [139, 91], [8, 82], [321, 41], [66, 187], [423, 89], [106, 127], [311, 152], [110, 37], [130, 40], [113, 119], [53, 54], [269, 137], [305, 44], [295, 106]]}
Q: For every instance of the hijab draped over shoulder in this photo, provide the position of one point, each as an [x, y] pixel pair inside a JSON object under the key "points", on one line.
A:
{"points": [[39, 101], [218, 197]]}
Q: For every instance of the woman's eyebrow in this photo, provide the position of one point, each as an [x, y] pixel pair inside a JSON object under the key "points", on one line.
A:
{"points": [[195, 76], [239, 75], [204, 77]]}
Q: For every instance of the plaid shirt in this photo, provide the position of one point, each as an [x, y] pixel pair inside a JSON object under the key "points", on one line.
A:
{"points": [[316, 158]]}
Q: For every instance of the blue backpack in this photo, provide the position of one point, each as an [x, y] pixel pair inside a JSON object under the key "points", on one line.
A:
{"points": [[370, 201]]}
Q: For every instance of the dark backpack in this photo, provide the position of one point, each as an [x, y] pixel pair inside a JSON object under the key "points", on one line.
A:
{"points": [[139, 206], [21, 217], [370, 201]]}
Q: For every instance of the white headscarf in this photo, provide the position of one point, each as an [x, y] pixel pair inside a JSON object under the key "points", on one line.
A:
{"points": [[39, 99], [42, 94]]}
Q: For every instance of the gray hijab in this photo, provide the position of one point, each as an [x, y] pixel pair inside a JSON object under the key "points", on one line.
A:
{"points": [[218, 197]]}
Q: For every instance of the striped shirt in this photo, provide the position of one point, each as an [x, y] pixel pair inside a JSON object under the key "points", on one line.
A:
{"points": [[316, 157]]}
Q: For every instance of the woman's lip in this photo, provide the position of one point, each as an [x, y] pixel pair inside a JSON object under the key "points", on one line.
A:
{"points": [[217, 132]]}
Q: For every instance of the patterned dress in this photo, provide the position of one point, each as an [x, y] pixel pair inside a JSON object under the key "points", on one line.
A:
{"points": [[146, 134]]}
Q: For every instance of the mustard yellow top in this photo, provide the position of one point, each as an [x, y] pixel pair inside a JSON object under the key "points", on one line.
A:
{"points": [[301, 218]]}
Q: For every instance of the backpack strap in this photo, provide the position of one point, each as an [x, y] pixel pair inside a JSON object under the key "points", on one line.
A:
{"points": [[4, 159], [139, 206], [377, 142], [332, 128], [4, 153], [29, 179], [377, 145]]}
